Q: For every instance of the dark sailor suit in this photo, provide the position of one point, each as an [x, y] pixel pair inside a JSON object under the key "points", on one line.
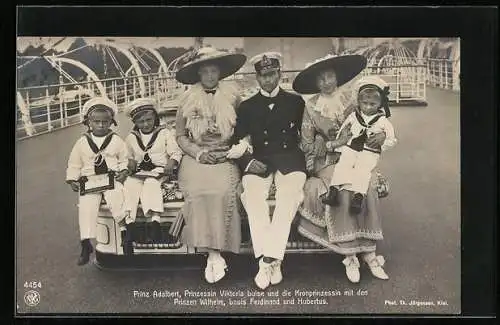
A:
{"points": [[273, 124]]}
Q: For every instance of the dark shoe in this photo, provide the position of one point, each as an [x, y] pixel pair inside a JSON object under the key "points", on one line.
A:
{"points": [[356, 203], [331, 198], [156, 232], [87, 249]]}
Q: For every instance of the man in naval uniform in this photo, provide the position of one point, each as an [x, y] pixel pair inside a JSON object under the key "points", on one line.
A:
{"points": [[272, 118]]}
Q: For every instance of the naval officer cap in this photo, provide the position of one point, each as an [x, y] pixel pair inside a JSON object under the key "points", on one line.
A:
{"points": [[140, 105], [99, 103], [267, 62]]}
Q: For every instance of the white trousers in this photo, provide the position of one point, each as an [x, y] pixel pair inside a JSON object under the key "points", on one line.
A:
{"points": [[270, 236], [88, 209], [148, 191], [354, 169]]}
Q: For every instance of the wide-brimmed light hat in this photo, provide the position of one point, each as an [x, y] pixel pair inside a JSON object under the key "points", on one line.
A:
{"points": [[346, 68], [227, 62]]}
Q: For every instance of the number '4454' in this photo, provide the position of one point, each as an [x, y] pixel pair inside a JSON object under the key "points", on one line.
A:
{"points": [[33, 284]]}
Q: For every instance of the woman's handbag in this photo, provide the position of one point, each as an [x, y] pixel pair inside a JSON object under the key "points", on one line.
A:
{"points": [[382, 185]]}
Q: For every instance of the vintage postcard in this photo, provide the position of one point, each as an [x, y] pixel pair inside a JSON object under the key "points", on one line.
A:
{"points": [[299, 177]]}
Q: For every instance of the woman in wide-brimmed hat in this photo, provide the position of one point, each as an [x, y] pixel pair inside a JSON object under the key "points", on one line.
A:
{"points": [[209, 180], [334, 227]]}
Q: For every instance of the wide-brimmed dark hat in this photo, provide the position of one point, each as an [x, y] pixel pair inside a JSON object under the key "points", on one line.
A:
{"points": [[228, 64], [346, 67]]}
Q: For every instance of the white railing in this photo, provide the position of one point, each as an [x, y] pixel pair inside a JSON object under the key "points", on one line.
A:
{"points": [[406, 82], [443, 73], [50, 107]]}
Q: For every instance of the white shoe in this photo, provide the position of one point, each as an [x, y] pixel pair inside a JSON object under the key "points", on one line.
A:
{"points": [[352, 268], [276, 276], [215, 270], [375, 264], [263, 277]]}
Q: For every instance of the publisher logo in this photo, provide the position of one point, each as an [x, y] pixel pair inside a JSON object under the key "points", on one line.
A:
{"points": [[32, 298]]}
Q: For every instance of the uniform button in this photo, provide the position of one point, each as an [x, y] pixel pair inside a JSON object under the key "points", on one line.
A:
{"points": [[266, 143], [265, 131], [284, 131], [284, 146]]}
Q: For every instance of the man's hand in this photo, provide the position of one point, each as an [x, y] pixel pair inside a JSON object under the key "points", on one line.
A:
{"points": [[75, 186], [237, 150], [122, 176], [257, 167], [376, 140]]}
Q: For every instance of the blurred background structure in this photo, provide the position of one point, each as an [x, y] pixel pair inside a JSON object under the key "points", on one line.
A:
{"points": [[57, 75]]}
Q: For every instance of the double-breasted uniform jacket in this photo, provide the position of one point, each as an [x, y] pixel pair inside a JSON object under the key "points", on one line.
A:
{"points": [[273, 124]]}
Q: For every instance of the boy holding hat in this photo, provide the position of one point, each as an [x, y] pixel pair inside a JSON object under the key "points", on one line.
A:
{"points": [[357, 161], [153, 154], [99, 151], [272, 118]]}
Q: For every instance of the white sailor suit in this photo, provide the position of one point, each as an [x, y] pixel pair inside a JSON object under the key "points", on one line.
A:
{"points": [[111, 151], [273, 122], [151, 152], [357, 161]]}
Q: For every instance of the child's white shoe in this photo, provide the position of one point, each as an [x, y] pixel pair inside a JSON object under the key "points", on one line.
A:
{"points": [[352, 268], [375, 264]]}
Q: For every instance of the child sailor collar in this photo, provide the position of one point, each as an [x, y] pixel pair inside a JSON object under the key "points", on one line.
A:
{"points": [[155, 133]]}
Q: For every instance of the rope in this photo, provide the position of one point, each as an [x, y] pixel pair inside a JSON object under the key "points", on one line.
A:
{"points": [[139, 58], [74, 50], [115, 61]]}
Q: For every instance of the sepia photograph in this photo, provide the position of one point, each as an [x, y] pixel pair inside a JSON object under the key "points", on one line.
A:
{"points": [[256, 175]]}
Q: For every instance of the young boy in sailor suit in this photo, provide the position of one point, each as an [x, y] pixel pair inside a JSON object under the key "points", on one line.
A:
{"points": [[357, 161], [152, 149], [98, 151]]}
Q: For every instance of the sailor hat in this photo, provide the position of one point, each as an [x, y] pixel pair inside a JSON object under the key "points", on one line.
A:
{"points": [[376, 83], [140, 105], [99, 102], [267, 62], [372, 82]]}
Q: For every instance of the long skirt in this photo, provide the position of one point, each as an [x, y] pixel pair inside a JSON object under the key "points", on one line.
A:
{"points": [[211, 205], [336, 228]]}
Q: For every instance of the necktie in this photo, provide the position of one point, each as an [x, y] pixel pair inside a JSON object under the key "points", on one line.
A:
{"points": [[210, 91], [146, 163], [100, 166], [359, 142]]}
